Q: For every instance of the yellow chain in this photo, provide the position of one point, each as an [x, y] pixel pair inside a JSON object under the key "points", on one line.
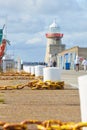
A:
{"points": [[43, 125]]}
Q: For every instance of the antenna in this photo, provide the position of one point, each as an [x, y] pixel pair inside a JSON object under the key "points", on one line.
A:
{"points": [[3, 27], [55, 20]]}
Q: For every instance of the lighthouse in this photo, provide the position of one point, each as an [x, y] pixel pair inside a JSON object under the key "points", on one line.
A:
{"points": [[54, 44]]}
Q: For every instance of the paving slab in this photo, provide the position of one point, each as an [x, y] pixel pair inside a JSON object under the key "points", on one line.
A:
{"points": [[71, 77]]}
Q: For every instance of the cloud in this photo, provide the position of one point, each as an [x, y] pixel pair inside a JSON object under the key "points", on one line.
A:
{"points": [[34, 40], [27, 22], [82, 4]]}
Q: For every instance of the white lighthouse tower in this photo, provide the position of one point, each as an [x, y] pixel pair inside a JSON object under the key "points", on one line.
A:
{"points": [[54, 45]]}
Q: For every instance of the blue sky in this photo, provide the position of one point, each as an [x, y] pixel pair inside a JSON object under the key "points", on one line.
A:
{"points": [[27, 21]]}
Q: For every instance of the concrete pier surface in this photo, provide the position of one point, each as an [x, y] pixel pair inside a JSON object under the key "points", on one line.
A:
{"points": [[71, 77], [63, 105]]}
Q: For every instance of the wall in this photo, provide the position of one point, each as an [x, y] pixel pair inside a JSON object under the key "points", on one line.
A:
{"points": [[69, 55]]}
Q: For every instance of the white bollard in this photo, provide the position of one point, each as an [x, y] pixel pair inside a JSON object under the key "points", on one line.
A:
{"points": [[4, 66], [32, 70], [26, 68], [82, 82], [29, 69], [19, 66], [39, 70], [52, 74]]}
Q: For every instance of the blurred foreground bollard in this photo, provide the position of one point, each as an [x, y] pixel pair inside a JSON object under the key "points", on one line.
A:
{"points": [[82, 81]]}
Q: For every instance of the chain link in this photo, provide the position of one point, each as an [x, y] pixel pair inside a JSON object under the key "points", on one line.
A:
{"points": [[43, 125], [34, 82]]}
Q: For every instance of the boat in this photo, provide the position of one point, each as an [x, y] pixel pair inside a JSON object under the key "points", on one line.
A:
{"points": [[3, 43]]}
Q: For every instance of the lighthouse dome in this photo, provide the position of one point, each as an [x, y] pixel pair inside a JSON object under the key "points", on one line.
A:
{"points": [[54, 27]]}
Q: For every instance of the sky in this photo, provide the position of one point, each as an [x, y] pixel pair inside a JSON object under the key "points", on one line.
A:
{"points": [[27, 22]]}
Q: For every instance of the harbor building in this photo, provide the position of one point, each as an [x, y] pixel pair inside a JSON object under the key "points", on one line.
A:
{"points": [[66, 59], [8, 63]]}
